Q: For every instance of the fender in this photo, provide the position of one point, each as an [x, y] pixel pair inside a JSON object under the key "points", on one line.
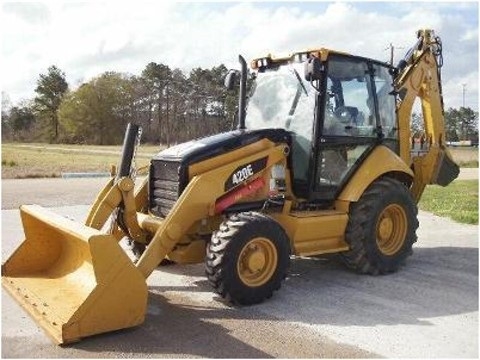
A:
{"points": [[370, 170]]}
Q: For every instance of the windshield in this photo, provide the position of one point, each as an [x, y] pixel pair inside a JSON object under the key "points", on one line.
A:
{"points": [[281, 99]]}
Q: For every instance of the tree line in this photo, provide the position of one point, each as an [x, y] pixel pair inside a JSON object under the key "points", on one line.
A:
{"points": [[171, 107], [460, 124]]}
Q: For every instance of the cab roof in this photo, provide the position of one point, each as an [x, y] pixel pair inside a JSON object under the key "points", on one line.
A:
{"points": [[271, 61]]}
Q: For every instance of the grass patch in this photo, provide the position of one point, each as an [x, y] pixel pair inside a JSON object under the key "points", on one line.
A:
{"points": [[458, 201], [10, 163], [41, 160]]}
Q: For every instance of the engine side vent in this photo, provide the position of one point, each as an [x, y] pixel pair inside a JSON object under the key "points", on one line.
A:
{"points": [[164, 186]]}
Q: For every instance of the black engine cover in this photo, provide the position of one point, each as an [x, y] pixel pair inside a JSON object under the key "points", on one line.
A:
{"points": [[169, 168]]}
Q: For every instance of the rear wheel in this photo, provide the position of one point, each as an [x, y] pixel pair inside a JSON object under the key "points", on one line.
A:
{"points": [[247, 258], [381, 229]]}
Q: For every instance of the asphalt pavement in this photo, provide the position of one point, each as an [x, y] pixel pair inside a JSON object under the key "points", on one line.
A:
{"points": [[429, 309]]}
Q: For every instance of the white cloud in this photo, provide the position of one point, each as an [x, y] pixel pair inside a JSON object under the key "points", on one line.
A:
{"points": [[86, 39]]}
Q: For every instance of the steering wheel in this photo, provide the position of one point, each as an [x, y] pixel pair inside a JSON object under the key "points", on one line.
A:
{"points": [[343, 114]]}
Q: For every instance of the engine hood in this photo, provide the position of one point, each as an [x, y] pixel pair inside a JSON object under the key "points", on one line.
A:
{"points": [[169, 168], [208, 147]]}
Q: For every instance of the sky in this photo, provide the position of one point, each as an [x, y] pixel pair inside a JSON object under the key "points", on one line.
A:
{"points": [[85, 39]]}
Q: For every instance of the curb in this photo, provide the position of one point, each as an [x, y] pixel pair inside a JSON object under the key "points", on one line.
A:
{"points": [[85, 175]]}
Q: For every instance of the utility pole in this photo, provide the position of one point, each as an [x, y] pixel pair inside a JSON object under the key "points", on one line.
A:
{"points": [[463, 105]]}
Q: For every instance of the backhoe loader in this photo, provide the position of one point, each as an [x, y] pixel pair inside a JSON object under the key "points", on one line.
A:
{"points": [[320, 163]]}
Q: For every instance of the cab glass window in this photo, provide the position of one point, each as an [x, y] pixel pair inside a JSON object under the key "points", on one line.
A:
{"points": [[386, 101], [349, 109]]}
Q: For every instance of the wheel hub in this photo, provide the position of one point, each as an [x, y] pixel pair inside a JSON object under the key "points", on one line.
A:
{"points": [[391, 229], [257, 262], [385, 228]]}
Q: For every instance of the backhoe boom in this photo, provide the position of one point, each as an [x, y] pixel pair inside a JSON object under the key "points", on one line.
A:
{"points": [[420, 77]]}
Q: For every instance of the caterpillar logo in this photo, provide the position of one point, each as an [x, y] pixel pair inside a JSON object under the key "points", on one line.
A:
{"points": [[244, 172]]}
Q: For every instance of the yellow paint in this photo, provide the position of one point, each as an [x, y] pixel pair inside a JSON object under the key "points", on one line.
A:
{"points": [[192, 252], [257, 262], [197, 200], [321, 53], [381, 161], [314, 232], [420, 80], [391, 229], [70, 277]]}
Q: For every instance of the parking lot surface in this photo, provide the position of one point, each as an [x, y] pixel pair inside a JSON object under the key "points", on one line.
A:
{"points": [[428, 309]]}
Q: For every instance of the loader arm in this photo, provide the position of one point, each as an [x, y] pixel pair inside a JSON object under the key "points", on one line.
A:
{"points": [[419, 76], [119, 196], [199, 201]]}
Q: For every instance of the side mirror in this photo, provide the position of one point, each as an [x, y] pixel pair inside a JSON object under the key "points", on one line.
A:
{"points": [[313, 69], [230, 79]]}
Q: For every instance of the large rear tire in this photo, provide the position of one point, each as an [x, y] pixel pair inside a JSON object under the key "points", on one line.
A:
{"points": [[381, 229], [247, 258]]}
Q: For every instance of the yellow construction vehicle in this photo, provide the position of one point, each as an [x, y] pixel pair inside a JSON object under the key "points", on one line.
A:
{"points": [[320, 163]]}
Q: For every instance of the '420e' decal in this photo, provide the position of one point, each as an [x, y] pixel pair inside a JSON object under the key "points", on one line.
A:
{"points": [[244, 172]]}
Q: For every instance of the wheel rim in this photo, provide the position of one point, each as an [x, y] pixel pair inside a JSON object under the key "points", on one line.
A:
{"points": [[391, 229], [257, 262]]}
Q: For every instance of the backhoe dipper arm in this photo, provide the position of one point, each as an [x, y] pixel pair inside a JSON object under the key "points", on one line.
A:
{"points": [[419, 76]]}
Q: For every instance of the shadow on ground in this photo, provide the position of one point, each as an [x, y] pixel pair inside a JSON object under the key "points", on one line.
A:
{"points": [[436, 282]]}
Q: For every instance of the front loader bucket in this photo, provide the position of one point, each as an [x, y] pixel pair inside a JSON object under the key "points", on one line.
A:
{"points": [[72, 279]]}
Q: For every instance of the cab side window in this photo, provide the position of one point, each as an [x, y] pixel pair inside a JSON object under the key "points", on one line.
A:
{"points": [[348, 110], [386, 101]]}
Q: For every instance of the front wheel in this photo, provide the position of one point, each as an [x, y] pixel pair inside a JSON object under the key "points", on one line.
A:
{"points": [[381, 228], [247, 258]]}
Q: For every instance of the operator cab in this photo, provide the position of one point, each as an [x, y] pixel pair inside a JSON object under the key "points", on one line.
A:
{"points": [[337, 110]]}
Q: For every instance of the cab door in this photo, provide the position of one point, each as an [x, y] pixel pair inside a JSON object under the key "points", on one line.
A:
{"points": [[350, 125]]}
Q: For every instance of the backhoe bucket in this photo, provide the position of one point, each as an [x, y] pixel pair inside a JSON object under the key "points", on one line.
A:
{"points": [[72, 279]]}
